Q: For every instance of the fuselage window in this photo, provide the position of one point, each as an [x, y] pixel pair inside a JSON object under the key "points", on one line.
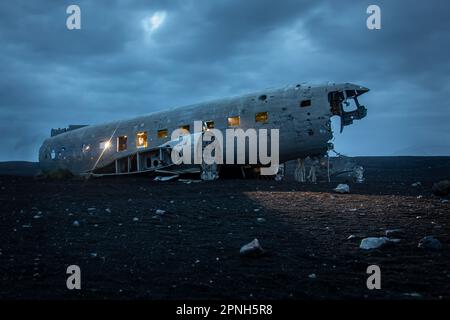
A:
{"points": [[234, 121], [85, 147], [164, 133], [207, 125], [53, 154], [262, 117], [305, 103], [122, 143], [141, 139], [186, 127]]}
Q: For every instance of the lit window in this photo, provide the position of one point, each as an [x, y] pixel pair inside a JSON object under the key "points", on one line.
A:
{"points": [[122, 143], [305, 103], [186, 127], [105, 145], [207, 125], [141, 139], [234, 121], [164, 133], [262, 117]]}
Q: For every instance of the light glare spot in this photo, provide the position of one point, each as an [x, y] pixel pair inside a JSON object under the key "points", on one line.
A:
{"points": [[152, 23]]}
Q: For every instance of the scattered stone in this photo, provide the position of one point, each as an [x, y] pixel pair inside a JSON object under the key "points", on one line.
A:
{"points": [[252, 249], [430, 243], [420, 196], [416, 184], [108, 210], [135, 219], [160, 212], [413, 295], [261, 220], [37, 216], [93, 254], [444, 201], [376, 242], [352, 236], [441, 188], [312, 276], [394, 233], [342, 188], [76, 223], [256, 210], [91, 209]]}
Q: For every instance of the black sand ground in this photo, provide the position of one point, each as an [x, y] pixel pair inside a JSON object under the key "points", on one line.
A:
{"points": [[193, 250]]}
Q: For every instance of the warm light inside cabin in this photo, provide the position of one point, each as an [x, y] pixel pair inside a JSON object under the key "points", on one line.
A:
{"points": [[234, 121], [141, 140]]}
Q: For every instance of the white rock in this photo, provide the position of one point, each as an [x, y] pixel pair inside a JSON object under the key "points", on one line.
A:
{"points": [[342, 188], [76, 223], [261, 220], [416, 184], [135, 219], [373, 243], [160, 212], [108, 210], [91, 209], [252, 248], [430, 243], [312, 276]]}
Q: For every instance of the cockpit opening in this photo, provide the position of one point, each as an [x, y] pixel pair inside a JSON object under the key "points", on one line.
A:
{"points": [[345, 104]]}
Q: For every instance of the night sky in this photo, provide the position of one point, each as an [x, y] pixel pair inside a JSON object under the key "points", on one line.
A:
{"points": [[134, 57]]}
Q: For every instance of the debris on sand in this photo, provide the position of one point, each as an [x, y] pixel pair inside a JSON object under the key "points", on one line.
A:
{"points": [[108, 210], [312, 276], [398, 233], [261, 220], [252, 249], [166, 178], [76, 223], [430, 243], [160, 212], [376, 242], [342, 188], [135, 219], [413, 295], [441, 188], [416, 184]]}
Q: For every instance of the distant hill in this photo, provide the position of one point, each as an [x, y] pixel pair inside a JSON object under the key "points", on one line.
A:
{"points": [[420, 150], [19, 168]]}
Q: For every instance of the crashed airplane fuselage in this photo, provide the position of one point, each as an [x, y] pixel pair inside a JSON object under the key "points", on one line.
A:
{"points": [[301, 113]]}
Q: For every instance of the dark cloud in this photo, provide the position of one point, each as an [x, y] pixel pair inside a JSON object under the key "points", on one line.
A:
{"points": [[114, 69]]}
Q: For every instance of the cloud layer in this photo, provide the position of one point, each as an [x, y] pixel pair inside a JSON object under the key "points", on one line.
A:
{"points": [[134, 57]]}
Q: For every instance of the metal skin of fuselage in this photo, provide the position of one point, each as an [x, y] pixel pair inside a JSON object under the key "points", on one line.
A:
{"points": [[303, 130]]}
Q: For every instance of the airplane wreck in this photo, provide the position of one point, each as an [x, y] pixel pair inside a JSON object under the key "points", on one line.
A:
{"points": [[301, 113]]}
